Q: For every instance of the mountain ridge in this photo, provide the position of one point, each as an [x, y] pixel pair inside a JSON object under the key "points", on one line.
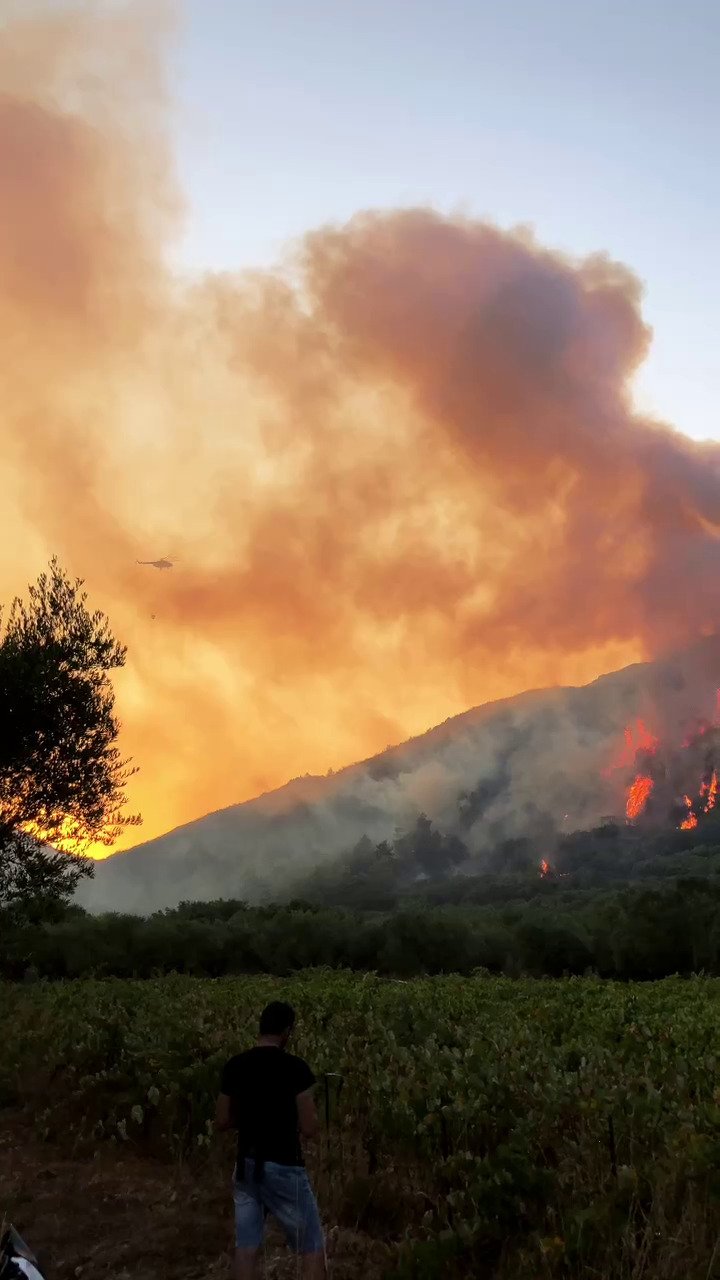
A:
{"points": [[539, 753]]}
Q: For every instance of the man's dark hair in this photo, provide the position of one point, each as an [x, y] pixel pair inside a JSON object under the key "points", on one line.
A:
{"points": [[276, 1018]]}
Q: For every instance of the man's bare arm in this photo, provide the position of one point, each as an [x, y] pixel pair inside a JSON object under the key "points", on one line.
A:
{"points": [[223, 1113], [307, 1114]]}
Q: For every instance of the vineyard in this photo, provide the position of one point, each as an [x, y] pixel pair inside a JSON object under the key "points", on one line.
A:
{"points": [[479, 1126]]}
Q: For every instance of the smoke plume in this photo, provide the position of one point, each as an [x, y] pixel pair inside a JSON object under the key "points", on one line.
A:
{"points": [[399, 475]]}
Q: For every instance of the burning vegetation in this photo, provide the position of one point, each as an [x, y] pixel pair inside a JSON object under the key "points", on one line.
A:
{"points": [[670, 784], [663, 781]]}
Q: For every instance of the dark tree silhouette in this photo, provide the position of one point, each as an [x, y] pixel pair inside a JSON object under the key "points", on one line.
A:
{"points": [[62, 779]]}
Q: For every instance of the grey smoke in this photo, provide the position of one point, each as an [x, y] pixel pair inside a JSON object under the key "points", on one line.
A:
{"points": [[542, 753]]}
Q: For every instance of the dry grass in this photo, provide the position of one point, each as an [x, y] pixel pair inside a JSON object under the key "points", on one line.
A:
{"points": [[117, 1214], [121, 1216]]}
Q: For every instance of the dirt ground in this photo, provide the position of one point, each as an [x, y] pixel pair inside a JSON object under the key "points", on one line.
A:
{"points": [[121, 1216]]}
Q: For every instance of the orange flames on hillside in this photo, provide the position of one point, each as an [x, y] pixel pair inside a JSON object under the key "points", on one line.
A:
{"points": [[709, 791], [638, 744], [637, 738], [638, 796], [706, 801], [691, 821], [640, 750]]}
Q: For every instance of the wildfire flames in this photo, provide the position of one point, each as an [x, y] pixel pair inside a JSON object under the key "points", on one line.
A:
{"points": [[638, 745], [709, 791], [691, 820], [638, 796], [637, 739], [706, 801], [655, 768]]}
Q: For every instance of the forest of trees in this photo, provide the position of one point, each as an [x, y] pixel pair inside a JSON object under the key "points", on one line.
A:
{"points": [[438, 869], [620, 901], [515, 924], [614, 901]]}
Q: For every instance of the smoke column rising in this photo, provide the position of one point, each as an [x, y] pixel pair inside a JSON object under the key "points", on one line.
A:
{"points": [[401, 474]]}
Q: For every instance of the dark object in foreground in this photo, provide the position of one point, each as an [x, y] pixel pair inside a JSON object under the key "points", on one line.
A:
{"points": [[16, 1260]]}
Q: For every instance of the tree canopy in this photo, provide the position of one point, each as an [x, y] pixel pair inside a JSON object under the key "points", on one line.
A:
{"points": [[62, 778]]}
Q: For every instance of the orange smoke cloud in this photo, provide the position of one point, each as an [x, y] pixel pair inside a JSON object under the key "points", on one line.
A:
{"points": [[401, 475]]}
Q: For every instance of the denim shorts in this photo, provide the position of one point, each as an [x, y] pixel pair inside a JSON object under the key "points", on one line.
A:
{"points": [[284, 1192]]}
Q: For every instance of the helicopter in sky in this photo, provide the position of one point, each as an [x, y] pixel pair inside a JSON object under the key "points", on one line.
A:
{"points": [[158, 564]]}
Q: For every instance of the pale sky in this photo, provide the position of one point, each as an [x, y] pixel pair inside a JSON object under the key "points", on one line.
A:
{"points": [[595, 121]]}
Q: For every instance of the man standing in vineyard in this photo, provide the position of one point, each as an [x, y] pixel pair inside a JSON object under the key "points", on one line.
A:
{"points": [[266, 1094]]}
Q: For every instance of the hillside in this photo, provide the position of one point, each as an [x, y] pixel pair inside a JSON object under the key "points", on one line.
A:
{"points": [[525, 765]]}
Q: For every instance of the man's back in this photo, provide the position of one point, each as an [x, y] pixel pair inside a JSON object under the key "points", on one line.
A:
{"points": [[264, 1084], [266, 1094]]}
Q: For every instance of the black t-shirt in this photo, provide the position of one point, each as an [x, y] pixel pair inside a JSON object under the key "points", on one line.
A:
{"points": [[263, 1084]]}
